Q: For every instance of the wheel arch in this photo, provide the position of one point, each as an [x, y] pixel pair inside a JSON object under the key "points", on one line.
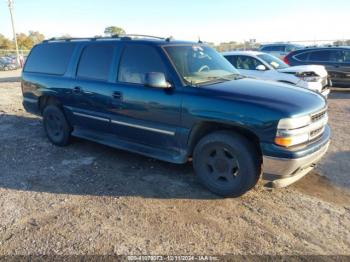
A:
{"points": [[45, 100], [202, 129]]}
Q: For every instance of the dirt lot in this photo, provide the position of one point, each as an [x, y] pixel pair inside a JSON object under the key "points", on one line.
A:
{"points": [[91, 199]]}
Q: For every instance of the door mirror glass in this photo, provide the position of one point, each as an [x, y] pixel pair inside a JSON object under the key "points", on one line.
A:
{"points": [[156, 79], [261, 68]]}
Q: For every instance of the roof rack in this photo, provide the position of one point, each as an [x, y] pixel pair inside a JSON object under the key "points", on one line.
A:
{"points": [[118, 37], [130, 36]]}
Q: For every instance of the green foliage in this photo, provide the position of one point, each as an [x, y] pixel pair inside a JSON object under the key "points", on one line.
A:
{"points": [[233, 45], [36, 37], [24, 41], [5, 43], [114, 30], [342, 43]]}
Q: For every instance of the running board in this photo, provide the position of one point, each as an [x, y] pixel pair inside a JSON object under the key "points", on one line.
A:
{"points": [[149, 151]]}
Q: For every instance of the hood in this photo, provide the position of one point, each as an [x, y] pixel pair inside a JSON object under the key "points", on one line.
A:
{"points": [[287, 99], [317, 69]]}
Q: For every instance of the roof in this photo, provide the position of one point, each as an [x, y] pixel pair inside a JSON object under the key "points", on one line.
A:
{"points": [[326, 47], [145, 39], [274, 44]]}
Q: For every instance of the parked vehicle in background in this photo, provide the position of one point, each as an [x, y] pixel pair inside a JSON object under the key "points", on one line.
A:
{"points": [[267, 67], [175, 101], [335, 59], [8, 63], [279, 50]]}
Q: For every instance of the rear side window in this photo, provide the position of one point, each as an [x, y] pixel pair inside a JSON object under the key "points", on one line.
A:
{"points": [[278, 48], [95, 62], [346, 56], [137, 61], [302, 57], [320, 56], [290, 48], [50, 58]]}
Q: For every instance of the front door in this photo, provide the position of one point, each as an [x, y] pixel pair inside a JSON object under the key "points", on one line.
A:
{"points": [[247, 66], [145, 115]]}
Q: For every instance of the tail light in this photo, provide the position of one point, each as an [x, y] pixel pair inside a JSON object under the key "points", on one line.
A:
{"points": [[285, 59]]}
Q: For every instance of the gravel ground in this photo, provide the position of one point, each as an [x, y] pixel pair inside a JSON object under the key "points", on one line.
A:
{"points": [[90, 199]]}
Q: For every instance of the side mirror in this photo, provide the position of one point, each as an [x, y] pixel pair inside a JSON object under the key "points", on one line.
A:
{"points": [[156, 79], [261, 68]]}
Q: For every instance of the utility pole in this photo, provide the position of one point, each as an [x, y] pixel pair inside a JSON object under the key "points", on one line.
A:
{"points": [[10, 4]]}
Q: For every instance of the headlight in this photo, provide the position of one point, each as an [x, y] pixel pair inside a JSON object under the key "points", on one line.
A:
{"points": [[290, 131], [295, 122], [310, 78]]}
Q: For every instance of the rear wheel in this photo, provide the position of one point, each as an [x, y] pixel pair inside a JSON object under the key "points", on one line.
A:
{"points": [[226, 163], [56, 125]]}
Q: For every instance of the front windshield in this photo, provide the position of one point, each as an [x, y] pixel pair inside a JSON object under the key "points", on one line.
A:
{"points": [[198, 64], [273, 61]]}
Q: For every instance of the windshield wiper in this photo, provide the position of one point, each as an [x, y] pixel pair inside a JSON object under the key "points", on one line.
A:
{"points": [[215, 80], [218, 79]]}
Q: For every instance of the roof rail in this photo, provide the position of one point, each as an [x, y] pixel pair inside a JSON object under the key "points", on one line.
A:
{"points": [[60, 39], [136, 35], [119, 37], [168, 39]]}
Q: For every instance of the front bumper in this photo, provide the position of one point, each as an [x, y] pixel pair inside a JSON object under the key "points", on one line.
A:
{"points": [[325, 92], [282, 172], [321, 86], [283, 167]]}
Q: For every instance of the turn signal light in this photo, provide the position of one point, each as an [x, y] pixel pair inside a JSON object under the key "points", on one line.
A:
{"points": [[283, 141]]}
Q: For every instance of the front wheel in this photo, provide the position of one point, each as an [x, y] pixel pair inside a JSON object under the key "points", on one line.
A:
{"points": [[56, 126], [226, 163]]}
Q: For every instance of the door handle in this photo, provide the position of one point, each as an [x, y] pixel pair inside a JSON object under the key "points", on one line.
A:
{"points": [[117, 95]]}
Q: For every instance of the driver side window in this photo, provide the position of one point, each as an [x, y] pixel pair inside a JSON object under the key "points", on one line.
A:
{"points": [[137, 61], [247, 63]]}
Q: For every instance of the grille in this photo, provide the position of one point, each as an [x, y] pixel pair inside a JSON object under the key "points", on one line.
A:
{"points": [[318, 116], [319, 121], [324, 81], [316, 133]]}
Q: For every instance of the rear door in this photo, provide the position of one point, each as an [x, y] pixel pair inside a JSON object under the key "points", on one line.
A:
{"points": [[92, 89], [330, 58], [145, 115], [342, 58]]}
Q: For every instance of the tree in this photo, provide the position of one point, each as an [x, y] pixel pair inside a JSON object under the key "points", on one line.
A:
{"points": [[5, 43], [36, 37], [114, 30], [341, 42], [65, 36], [24, 42]]}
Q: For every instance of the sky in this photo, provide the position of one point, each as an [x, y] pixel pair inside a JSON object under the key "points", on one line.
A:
{"points": [[211, 20]]}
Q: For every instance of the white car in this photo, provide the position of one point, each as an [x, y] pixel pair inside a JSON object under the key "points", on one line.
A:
{"points": [[267, 67]]}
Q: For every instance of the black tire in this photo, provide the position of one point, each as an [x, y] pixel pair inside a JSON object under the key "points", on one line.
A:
{"points": [[226, 163], [56, 126]]}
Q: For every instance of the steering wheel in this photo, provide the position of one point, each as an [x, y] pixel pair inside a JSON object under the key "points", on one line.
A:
{"points": [[205, 67]]}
